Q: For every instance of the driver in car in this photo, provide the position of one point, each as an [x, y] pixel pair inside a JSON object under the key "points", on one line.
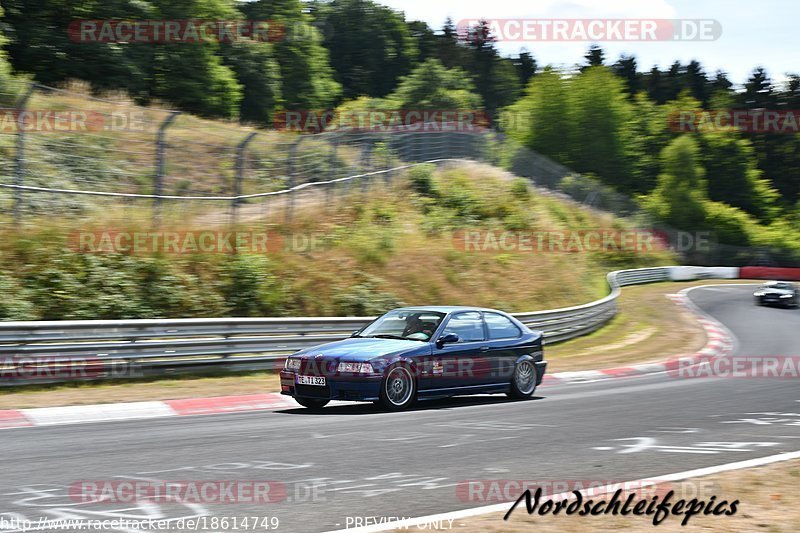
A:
{"points": [[417, 329]]}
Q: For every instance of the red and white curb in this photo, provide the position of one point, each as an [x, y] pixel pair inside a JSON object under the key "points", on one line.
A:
{"points": [[720, 343], [76, 414]]}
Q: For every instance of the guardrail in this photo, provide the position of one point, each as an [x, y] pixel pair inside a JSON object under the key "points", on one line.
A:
{"points": [[51, 351]]}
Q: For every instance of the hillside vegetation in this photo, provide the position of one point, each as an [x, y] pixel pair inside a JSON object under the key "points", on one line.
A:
{"points": [[374, 250]]}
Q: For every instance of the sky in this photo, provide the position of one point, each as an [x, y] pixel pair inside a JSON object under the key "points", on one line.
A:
{"points": [[764, 33]]}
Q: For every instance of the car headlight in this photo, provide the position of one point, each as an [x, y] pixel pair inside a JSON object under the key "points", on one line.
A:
{"points": [[758, 294], [786, 295], [355, 368], [292, 364]]}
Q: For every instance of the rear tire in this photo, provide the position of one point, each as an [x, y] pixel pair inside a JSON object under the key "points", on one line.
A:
{"points": [[523, 380], [398, 388], [312, 403]]}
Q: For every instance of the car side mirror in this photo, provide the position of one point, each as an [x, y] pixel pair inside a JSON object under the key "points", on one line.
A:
{"points": [[449, 338]]}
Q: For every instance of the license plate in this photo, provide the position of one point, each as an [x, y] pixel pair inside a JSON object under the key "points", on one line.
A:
{"points": [[311, 380]]}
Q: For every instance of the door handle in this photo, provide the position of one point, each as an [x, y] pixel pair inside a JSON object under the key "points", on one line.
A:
{"points": [[484, 348]]}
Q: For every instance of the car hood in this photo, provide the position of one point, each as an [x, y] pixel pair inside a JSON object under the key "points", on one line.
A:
{"points": [[355, 349]]}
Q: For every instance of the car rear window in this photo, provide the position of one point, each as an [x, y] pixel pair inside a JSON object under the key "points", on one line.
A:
{"points": [[468, 326], [501, 327]]}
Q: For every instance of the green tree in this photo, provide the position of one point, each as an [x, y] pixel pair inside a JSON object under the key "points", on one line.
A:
{"points": [[450, 49], [8, 89], [43, 47], [195, 80], [258, 71], [649, 133], [495, 78], [625, 68], [597, 134], [425, 38], [595, 57], [307, 79], [679, 197], [526, 66], [432, 86], [538, 120], [370, 46], [733, 174]]}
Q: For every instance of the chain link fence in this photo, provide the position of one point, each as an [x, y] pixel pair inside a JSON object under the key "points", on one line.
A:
{"points": [[65, 155], [69, 155]]}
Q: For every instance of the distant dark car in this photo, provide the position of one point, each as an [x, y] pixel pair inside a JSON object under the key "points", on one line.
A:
{"points": [[420, 353], [781, 293]]}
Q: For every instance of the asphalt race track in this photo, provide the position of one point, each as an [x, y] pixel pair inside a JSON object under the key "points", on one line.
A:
{"points": [[362, 462]]}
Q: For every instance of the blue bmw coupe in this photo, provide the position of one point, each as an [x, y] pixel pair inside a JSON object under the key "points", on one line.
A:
{"points": [[418, 353]]}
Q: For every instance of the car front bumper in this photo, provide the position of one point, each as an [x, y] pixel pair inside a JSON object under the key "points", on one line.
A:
{"points": [[353, 388], [782, 302]]}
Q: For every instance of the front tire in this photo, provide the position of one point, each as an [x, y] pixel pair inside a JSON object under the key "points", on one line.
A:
{"points": [[523, 380], [398, 388], [312, 403]]}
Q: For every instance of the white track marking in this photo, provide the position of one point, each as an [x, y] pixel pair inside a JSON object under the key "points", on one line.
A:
{"points": [[503, 507]]}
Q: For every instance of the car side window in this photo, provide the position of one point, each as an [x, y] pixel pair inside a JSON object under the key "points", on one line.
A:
{"points": [[501, 327], [468, 326]]}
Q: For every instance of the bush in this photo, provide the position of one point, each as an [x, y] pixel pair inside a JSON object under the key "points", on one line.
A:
{"points": [[364, 299], [520, 189], [250, 288], [15, 304], [422, 179]]}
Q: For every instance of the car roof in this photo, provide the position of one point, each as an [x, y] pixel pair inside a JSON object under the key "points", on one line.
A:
{"points": [[447, 308]]}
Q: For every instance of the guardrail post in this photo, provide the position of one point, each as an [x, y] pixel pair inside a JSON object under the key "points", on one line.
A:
{"points": [[237, 184], [19, 155], [158, 185]]}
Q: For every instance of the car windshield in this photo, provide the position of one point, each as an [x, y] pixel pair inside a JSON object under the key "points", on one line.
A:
{"points": [[411, 325], [778, 285]]}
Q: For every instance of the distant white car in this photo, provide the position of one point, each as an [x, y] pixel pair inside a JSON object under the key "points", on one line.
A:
{"points": [[783, 293]]}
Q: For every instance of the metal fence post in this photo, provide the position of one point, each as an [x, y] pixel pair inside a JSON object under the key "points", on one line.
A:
{"points": [[387, 159], [19, 155], [333, 156], [161, 165], [290, 194], [366, 157], [237, 184]]}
